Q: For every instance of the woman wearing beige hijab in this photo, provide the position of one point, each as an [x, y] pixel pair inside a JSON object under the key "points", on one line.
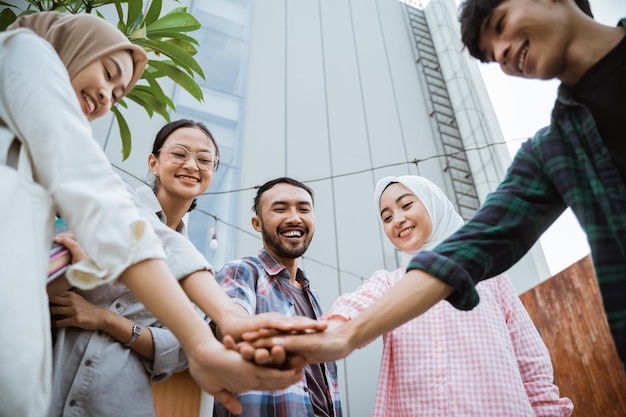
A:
{"points": [[57, 73]]}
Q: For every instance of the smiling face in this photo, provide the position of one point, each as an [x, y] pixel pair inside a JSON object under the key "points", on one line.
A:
{"points": [[182, 182], [405, 219], [286, 221], [528, 38], [102, 83]]}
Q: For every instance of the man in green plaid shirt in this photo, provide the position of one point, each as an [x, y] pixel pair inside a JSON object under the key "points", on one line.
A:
{"points": [[579, 161]]}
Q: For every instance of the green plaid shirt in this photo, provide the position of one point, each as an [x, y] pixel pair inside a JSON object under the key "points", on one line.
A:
{"points": [[565, 165]]}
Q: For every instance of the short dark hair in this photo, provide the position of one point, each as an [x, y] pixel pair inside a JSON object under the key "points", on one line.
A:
{"points": [[170, 128], [472, 14], [282, 180]]}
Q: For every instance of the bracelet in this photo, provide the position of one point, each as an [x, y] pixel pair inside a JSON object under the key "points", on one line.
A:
{"points": [[136, 333]]}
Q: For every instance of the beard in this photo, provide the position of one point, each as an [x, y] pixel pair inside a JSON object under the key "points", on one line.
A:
{"points": [[281, 249]]}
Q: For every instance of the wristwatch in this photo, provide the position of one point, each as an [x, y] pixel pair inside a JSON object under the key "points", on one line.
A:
{"points": [[136, 333]]}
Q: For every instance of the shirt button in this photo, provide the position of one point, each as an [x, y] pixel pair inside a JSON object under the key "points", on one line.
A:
{"points": [[306, 389], [437, 312], [72, 403], [439, 348], [88, 362], [118, 305], [442, 389]]}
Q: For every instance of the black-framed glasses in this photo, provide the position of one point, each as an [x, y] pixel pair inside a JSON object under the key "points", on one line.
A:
{"points": [[178, 154]]}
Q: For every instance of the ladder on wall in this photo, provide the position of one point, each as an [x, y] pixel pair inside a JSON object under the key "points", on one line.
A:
{"points": [[457, 166]]}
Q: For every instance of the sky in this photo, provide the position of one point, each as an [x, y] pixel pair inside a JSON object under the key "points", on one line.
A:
{"points": [[523, 107]]}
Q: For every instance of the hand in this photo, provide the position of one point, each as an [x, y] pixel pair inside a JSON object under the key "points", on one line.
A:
{"points": [[68, 240], [275, 357], [270, 323], [328, 346], [235, 326], [222, 373], [75, 311]]}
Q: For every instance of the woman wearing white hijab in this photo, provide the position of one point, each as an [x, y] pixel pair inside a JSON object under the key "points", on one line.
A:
{"points": [[57, 73], [488, 362]]}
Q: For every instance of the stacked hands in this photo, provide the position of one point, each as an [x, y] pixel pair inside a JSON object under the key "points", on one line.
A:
{"points": [[264, 352], [307, 341], [255, 362]]}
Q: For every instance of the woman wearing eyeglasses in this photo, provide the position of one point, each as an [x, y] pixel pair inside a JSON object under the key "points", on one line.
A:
{"points": [[183, 159], [108, 346]]}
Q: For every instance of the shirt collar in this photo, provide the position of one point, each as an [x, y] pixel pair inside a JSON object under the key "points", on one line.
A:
{"points": [[148, 198], [274, 268]]}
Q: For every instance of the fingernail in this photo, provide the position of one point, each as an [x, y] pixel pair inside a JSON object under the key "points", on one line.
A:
{"points": [[278, 341]]}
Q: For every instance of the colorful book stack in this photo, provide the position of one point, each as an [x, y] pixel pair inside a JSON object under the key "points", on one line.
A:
{"points": [[60, 256], [60, 260]]}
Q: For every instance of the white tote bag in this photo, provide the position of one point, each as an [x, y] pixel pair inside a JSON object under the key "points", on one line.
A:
{"points": [[26, 222]]}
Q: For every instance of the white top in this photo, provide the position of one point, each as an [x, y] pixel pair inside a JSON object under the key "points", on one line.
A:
{"points": [[94, 374], [183, 257], [39, 105]]}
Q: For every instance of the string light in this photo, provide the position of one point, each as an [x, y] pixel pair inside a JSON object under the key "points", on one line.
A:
{"points": [[214, 244]]}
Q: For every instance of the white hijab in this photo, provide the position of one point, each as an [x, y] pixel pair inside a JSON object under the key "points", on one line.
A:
{"points": [[444, 218]]}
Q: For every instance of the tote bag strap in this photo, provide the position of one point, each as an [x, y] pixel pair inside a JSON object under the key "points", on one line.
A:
{"points": [[17, 156]]}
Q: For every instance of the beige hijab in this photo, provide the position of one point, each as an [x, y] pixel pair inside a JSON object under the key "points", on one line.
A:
{"points": [[81, 39]]}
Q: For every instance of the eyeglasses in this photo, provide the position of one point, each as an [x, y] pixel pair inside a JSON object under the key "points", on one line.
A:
{"points": [[178, 155]]}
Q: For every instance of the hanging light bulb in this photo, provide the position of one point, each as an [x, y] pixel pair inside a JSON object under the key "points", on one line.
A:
{"points": [[213, 243]]}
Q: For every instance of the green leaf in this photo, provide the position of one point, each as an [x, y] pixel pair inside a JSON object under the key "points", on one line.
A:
{"points": [[178, 55], [156, 87], [124, 133], [134, 17], [179, 77], [137, 99], [153, 72], [7, 16], [172, 35], [120, 15], [99, 3], [177, 22], [122, 103], [184, 45], [147, 97], [153, 12], [181, 9], [137, 33]]}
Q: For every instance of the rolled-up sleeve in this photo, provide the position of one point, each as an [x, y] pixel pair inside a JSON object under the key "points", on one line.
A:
{"points": [[38, 104], [169, 357], [505, 227]]}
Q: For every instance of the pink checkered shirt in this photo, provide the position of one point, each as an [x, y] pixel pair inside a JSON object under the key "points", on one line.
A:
{"points": [[487, 362]]}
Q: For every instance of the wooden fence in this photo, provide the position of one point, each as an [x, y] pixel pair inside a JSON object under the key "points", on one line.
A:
{"points": [[567, 310]]}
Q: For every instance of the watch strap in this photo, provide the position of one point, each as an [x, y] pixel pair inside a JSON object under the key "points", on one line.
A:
{"points": [[136, 333]]}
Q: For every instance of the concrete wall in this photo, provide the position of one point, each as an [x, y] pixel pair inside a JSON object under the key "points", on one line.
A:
{"points": [[333, 99]]}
